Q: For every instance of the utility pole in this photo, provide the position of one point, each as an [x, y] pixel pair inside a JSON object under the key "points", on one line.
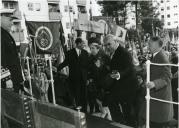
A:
{"points": [[137, 19], [91, 15]]}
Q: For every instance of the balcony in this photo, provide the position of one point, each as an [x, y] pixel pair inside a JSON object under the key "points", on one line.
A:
{"points": [[54, 16], [9, 0], [81, 2], [53, 1]]}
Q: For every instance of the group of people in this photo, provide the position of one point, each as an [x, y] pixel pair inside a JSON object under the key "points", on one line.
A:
{"points": [[107, 77], [111, 80]]}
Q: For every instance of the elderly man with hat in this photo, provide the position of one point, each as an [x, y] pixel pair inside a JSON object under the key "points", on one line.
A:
{"points": [[9, 54]]}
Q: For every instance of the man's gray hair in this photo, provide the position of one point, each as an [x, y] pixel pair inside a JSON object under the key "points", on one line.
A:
{"points": [[109, 37]]}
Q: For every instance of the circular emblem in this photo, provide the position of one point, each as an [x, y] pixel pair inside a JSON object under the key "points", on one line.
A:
{"points": [[44, 38]]}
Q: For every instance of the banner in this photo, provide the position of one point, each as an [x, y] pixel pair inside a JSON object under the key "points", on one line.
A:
{"points": [[90, 26], [118, 31], [164, 35], [46, 36]]}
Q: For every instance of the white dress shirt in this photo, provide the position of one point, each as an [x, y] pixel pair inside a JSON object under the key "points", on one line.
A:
{"points": [[78, 51], [155, 53]]}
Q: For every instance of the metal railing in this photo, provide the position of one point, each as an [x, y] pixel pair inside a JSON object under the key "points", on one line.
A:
{"points": [[148, 97], [49, 59]]}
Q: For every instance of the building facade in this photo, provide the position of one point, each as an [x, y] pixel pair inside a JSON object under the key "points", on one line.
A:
{"points": [[44, 10], [130, 16], [169, 13]]}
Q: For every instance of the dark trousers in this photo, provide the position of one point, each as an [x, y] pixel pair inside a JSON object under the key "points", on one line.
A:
{"points": [[126, 116], [158, 125], [116, 112], [91, 97], [78, 91], [174, 83]]}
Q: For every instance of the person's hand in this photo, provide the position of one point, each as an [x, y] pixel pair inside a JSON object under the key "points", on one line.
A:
{"points": [[175, 75], [115, 75], [98, 63], [9, 84], [89, 81], [54, 69], [150, 85]]}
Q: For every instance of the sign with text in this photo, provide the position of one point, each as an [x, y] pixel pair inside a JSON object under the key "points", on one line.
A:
{"points": [[90, 26]]}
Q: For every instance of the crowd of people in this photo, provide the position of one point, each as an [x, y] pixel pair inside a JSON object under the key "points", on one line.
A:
{"points": [[103, 81]]}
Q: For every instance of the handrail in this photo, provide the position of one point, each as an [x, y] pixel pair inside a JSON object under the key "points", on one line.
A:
{"points": [[148, 97]]}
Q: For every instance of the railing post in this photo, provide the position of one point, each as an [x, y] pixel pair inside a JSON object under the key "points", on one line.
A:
{"points": [[52, 81], [30, 79], [148, 96]]}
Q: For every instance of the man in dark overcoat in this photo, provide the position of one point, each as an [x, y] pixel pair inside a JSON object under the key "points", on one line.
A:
{"points": [[125, 84], [160, 87]]}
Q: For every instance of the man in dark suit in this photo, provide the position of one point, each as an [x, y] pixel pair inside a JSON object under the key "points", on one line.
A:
{"points": [[123, 89], [9, 54], [160, 87], [77, 60]]}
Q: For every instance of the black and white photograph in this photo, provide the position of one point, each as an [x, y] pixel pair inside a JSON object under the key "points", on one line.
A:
{"points": [[89, 63]]}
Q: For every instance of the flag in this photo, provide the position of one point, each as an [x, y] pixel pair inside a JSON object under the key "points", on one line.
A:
{"points": [[134, 55], [46, 36]]}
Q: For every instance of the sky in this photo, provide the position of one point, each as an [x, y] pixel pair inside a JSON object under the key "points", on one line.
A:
{"points": [[95, 8]]}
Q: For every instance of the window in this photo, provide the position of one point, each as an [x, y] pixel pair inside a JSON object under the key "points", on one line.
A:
{"points": [[162, 16], [161, 1], [6, 5], [81, 9], [168, 16], [162, 9], [168, 23], [176, 22], [168, 0], [71, 8], [175, 6], [53, 8], [37, 7], [66, 8], [11, 5], [175, 14], [168, 8], [67, 25], [30, 6]]}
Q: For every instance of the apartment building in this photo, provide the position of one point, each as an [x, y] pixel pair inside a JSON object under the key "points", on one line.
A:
{"points": [[130, 16], [44, 10], [169, 13]]}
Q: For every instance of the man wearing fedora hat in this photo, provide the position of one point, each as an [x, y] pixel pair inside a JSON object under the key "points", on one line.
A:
{"points": [[9, 54]]}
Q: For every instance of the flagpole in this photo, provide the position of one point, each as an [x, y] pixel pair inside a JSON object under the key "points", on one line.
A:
{"points": [[69, 16], [30, 45], [30, 82]]}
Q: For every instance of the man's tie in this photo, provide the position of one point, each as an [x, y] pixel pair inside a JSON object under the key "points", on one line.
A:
{"points": [[79, 53], [152, 57]]}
